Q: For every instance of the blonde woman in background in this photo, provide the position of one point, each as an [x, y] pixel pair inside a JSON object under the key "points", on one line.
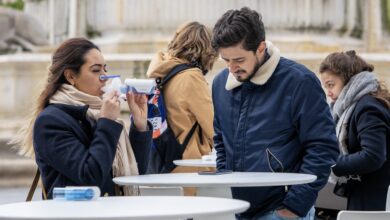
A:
{"points": [[187, 95]]}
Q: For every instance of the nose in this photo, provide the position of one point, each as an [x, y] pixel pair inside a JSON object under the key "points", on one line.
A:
{"points": [[233, 67], [329, 93]]}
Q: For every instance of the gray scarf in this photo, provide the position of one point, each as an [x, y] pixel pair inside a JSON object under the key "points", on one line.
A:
{"points": [[359, 85]]}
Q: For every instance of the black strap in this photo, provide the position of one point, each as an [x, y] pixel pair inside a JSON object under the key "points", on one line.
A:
{"points": [[189, 135], [177, 69], [161, 82], [200, 135]]}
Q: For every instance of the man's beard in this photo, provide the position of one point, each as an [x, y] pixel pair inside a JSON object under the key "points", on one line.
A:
{"points": [[257, 66]]}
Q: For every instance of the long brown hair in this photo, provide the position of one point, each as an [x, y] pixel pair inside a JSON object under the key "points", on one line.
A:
{"points": [[192, 43], [69, 55], [348, 64]]}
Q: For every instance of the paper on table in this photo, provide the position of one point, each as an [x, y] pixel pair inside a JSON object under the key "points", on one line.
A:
{"points": [[212, 156]]}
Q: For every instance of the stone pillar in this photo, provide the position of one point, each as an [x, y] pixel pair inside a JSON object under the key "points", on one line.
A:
{"points": [[373, 25], [119, 11], [72, 25], [52, 29], [351, 16], [82, 18], [307, 13], [77, 18]]}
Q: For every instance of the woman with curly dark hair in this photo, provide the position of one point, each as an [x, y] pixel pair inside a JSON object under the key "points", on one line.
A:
{"points": [[360, 107]]}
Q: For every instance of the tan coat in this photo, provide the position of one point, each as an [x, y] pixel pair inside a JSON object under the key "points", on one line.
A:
{"points": [[187, 98]]}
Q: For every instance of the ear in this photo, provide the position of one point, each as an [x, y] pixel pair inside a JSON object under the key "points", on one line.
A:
{"points": [[261, 48], [70, 76]]}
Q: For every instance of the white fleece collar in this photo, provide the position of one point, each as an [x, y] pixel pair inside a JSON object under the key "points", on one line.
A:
{"points": [[263, 73]]}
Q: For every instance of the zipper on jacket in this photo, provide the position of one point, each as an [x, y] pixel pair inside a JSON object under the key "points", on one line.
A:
{"points": [[269, 153]]}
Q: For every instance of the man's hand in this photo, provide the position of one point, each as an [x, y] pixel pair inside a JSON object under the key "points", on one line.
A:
{"points": [[285, 213]]}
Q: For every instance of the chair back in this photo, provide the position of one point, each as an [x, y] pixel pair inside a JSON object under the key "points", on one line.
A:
{"points": [[363, 215]]}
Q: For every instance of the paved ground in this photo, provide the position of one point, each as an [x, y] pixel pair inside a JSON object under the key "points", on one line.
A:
{"points": [[15, 171], [16, 174], [10, 195]]}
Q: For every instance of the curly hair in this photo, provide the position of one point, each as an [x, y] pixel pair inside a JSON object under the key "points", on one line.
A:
{"points": [[348, 64]]}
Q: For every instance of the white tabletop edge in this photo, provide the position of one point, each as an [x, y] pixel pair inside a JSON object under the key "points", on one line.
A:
{"points": [[225, 206], [235, 179]]}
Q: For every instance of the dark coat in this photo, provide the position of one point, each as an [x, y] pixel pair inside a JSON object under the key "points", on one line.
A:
{"points": [[369, 155], [72, 150], [282, 126]]}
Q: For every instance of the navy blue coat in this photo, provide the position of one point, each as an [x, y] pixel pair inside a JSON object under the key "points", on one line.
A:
{"points": [[282, 126], [72, 150], [369, 155]]}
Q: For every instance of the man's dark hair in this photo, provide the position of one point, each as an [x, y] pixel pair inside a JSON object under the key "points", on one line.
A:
{"points": [[235, 26]]}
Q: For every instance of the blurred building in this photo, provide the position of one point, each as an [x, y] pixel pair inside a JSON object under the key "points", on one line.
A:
{"points": [[144, 25], [130, 31]]}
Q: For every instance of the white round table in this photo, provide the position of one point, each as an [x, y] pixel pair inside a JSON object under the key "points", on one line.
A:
{"points": [[195, 163], [235, 179], [149, 207], [217, 185]]}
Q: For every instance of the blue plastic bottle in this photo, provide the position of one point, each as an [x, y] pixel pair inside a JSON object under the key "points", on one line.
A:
{"points": [[76, 193]]}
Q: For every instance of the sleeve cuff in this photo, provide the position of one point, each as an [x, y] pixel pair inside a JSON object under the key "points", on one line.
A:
{"points": [[111, 124], [141, 136]]}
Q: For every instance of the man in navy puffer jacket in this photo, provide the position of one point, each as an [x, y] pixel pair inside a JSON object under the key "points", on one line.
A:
{"points": [[271, 115]]}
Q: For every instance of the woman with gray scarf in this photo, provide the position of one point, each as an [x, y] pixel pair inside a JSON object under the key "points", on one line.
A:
{"points": [[360, 108]]}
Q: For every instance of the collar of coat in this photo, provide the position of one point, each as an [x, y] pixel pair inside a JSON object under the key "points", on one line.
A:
{"points": [[78, 112], [263, 73]]}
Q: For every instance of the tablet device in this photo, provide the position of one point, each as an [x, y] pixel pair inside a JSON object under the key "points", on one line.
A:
{"points": [[214, 172]]}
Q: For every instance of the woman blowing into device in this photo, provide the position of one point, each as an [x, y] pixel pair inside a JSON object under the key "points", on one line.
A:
{"points": [[75, 134]]}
